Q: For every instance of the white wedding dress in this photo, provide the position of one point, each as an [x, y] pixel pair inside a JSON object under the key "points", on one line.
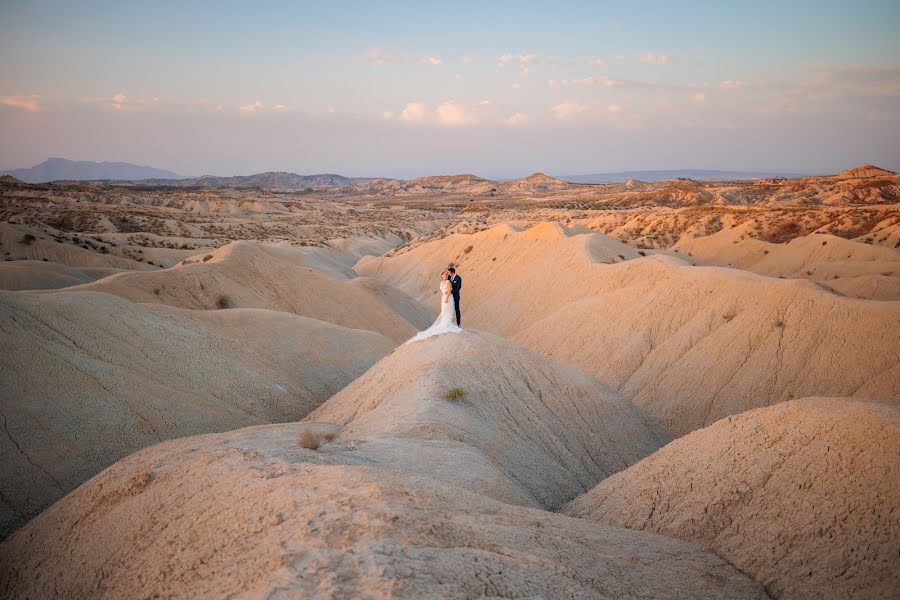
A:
{"points": [[446, 321]]}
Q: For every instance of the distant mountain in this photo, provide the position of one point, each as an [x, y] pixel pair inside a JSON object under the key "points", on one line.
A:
{"points": [[700, 174], [271, 179], [54, 169]]}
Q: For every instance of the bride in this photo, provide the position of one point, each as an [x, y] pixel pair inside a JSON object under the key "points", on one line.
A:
{"points": [[446, 321]]}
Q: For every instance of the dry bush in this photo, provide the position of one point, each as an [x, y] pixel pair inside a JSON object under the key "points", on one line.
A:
{"points": [[455, 394], [312, 439], [27, 239], [223, 301], [207, 257]]}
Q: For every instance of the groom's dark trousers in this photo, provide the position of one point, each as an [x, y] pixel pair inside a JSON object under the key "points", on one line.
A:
{"points": [[456, 284]]}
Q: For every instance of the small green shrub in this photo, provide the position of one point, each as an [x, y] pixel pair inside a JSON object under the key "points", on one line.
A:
{"points": [[27, 239], [455, 394], [223, 301]]}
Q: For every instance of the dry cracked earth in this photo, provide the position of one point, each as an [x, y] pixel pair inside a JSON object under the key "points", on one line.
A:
{"points": [[679, 389]]}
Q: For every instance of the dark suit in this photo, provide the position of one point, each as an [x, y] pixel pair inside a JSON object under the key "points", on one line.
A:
{"points": [[455, 286]]}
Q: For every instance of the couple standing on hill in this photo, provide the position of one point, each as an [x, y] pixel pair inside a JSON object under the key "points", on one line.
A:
{"points": [[449, 318]]}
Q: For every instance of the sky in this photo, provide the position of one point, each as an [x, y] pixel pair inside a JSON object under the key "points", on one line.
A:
{"points": [[499, 89]]}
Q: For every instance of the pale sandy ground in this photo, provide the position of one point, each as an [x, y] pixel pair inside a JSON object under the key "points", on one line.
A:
{"points": [[802, 496], [384, 510], [708, 300], [690, 344], [87, 377]]}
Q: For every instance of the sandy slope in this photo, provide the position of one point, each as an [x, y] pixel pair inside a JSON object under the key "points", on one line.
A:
{"points": [[44, 247], [689, 344], [248, 513], [40, 275], [873, 271], [802, 496], [527, 431], [89, 377], [276, 277]]}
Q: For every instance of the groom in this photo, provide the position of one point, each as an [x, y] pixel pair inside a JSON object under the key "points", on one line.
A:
{"points": [[455, 285]]}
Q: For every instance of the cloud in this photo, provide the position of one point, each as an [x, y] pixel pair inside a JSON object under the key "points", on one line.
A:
{"points": [[614, 108], [596, 61], [28, 103], [280, 107], [466, 60], [432, 60], [567, 109], [414, 111], [452, 113], [523, 60], [653, 57], [732, 84], [700, 97], [601, 81], [253, 107], [552, 84], [119, 100], [516, 85], [387, 115], [377, 56], [517, 119]]}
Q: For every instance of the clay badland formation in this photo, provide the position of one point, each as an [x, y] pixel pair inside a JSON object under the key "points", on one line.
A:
{"points": [[670, 389]]}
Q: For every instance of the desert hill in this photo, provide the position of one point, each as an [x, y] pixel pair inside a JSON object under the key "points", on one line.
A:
{"points": [[536, 182], [89, 377], [850, 267], [250, 513], [41, 275], [20, 243], [304, 281], [865, 171], [647, 325], [523, 429], [801, 496]]}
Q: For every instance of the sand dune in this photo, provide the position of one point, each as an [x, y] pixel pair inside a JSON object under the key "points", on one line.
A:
{"points": [[89, 377], [689, 344], [524, 429], [276, 277], [802, 496], [250, 513]]}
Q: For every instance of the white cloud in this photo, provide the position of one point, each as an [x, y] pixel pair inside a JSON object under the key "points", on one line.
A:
{"points": [[432, 60], [377, 56], [567, 109], [486, 103], [614, 108], [653, 57], [601, 81], [452, 113], [516, 85], [280, 107], [466, 60], [552, 84], [596, 61], [517, 119], [219, 108], [387, 115], [119, 100], [253, 107], [414, 111], [700, 97], [29, 103], [732, 84], [523, 60]]}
